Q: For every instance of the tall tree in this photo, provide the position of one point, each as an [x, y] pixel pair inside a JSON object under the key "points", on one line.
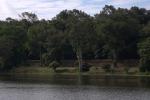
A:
{"points": [[37, 35], [79, 29], [117, 30], [31, 17], [144, 48], [12, 40], [144, 52]]}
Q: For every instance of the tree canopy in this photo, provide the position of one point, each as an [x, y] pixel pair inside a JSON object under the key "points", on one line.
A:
{"points": [[113, 33]]}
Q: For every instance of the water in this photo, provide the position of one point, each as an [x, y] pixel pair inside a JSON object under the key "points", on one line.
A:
{"points": [[63, 87]]}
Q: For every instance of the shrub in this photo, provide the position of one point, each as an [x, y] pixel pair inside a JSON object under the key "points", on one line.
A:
{"points": [[86, 67], [126, 69], [107, 68], [144, 66], [142, 69], [54, 65], [144, 52]]}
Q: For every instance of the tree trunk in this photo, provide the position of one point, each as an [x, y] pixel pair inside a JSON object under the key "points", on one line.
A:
{"points": [[41, 56], [114, 59], [79, 57]]}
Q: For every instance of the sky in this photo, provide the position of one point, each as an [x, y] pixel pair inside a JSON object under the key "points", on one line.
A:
{"points": [[48, 9]]}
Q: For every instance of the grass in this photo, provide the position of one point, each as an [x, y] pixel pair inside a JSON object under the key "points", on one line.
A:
{"points": [[31, 70], [74, 71], [97, 69]]}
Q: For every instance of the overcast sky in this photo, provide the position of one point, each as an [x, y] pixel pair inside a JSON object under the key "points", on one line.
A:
{"points": [[49, 8]]}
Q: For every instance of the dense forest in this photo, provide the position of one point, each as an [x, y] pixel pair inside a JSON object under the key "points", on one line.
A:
{"points": [[114, 33]]}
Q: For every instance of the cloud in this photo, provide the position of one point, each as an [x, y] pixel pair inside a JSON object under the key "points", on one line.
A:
{"points": [[120, 2], [49, 8], [6, 9], [44, 8], [128, 3]]}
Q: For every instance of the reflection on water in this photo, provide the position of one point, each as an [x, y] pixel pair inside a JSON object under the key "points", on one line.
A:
{"points": [[111, 81], [64, 87]]}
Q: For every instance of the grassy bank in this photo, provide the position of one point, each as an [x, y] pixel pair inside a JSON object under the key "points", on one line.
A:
{"points": [[74, 71], [33, 67]]}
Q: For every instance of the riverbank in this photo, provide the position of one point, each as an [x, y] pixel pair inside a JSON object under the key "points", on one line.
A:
{"points": [[94, 71]]}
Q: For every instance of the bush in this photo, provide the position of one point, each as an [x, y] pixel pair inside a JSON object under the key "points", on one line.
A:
{"points": [[86, 67], [142, 69], [54, 65], [107, 68], [126, 69], [145, 66], [144, 52]]}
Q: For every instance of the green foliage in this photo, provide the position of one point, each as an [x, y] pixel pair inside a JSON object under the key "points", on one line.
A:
{"points": [[54, 65], [144, 52], [12, 40], [126, 69], [6, 47], [37, 35], [31, 17], [146, 31], [144, 49], [106, 67], [86, 67], [115, 28], [73, 34]]}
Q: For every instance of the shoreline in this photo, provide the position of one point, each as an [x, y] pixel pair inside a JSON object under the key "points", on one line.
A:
{"points": [[72, 71], [77, 74]]}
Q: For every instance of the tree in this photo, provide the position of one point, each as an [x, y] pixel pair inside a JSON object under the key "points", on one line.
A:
{"points": [[117, 30], [31, 17], [141, 14], [144, 48], [28, 19], [54, 43], [12, 39], [37, 35], [6, 53], [78, 28], [144, 52], [73, 34], [145, 31], [81, 34]]}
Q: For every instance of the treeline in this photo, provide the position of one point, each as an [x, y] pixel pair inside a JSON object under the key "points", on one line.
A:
{"points": [[114, 33]]}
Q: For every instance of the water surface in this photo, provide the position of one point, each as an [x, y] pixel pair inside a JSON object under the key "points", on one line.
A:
{"points": [[64, 87]]}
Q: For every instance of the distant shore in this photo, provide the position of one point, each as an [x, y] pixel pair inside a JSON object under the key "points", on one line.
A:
{"points": [[73, 71]]}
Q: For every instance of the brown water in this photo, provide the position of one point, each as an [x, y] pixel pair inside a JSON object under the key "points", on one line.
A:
{"points": [[64, 87]]}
